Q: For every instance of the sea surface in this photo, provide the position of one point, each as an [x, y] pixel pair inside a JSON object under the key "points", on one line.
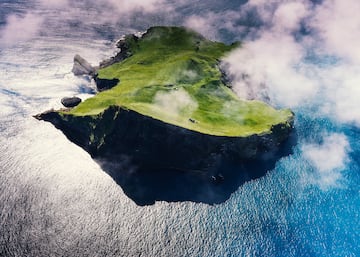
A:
{"points": [[56, 201]]}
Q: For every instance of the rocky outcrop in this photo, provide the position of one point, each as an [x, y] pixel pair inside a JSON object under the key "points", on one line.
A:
{"points": [[124, 45], [105, 84], [70, 101], [148, 142], [82, 67]]}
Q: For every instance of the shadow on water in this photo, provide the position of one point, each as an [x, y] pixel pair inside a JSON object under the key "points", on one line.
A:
{"points": [[145, 186]]}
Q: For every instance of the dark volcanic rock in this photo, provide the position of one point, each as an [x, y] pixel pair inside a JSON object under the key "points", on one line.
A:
{"points": [[105, 84], [70, 101], [124, 46]]}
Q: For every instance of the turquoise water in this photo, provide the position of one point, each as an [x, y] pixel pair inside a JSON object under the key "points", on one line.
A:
{"points": [[56, 201]]}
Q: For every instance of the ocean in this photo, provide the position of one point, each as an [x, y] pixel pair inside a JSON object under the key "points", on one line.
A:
{"points": [[55, 200]]}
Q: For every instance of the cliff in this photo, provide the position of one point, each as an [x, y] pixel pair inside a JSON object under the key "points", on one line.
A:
{"points": [[119, 132], [165, 104]]}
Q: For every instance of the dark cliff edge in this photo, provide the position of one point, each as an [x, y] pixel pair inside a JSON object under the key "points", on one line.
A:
{"points": [[153, 160]]}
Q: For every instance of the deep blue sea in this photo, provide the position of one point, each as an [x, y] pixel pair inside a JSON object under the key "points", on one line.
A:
{"points": [[57, 201]]}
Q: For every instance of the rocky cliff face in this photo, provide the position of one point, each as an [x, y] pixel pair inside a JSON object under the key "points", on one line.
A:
{"points": [[148, 142]]}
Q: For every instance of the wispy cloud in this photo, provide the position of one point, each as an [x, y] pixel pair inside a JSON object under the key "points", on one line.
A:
{"points": [[176, 102], [329, 158], [210, 23], [271, 64], [337, 24], [202, 25], [301, 50], [19, 28]]}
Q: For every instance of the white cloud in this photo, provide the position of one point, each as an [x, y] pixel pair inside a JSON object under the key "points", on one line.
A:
{"points": [[276, 62], [288, 15], [175, 102], [338, 25], [210, 23], [271, 61], [342, 91], [20, 28], [329, 158], [203, 25]]}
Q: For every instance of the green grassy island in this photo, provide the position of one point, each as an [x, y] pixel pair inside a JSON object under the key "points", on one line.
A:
{"points": [[173, 75], [170, 76]]}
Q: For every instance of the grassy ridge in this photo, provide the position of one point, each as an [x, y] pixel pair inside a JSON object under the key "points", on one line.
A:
{"points": [[173, 75]]}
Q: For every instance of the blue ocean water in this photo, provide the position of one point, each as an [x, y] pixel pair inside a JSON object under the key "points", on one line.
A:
{"points": [[56, 201]]}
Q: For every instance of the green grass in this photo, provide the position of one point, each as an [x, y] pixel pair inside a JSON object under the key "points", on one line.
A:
{"points": [[173, 76]]}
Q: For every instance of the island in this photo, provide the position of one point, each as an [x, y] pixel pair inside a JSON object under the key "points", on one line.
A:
{"points": [[164, 102]]}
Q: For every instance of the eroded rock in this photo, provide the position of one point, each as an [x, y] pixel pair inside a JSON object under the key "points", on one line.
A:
{"points": [[82, 67]]}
